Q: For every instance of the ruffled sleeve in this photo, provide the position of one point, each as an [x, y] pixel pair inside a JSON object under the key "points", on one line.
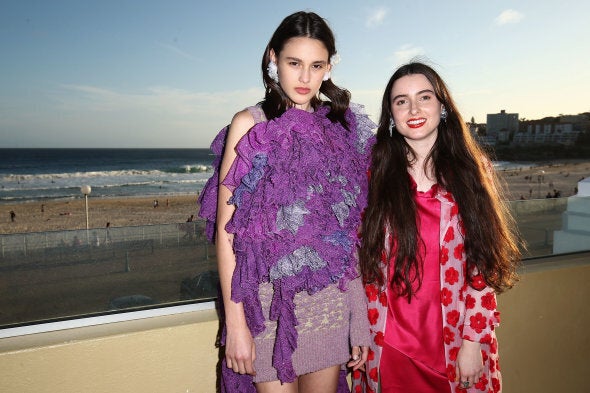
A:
{"points": [[208, 196]]}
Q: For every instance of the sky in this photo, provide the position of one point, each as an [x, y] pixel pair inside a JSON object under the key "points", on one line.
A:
{"points": [[171, 74]]}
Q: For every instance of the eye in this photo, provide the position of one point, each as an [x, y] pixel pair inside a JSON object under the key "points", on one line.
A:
{"points": [[399, 102], [293, 63], [318, 66], [426, 97]]}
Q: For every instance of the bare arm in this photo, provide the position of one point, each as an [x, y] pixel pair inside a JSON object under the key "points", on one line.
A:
{"points": [[239, 345]]}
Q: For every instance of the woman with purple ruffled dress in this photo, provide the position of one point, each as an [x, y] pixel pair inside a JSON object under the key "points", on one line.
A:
{"points": [[283, 208]]}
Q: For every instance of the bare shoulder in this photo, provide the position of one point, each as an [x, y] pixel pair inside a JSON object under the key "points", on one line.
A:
{"points": [[241, 122], [240, 125]]}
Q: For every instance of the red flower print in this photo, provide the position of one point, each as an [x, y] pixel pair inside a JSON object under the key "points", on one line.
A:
{"points": [[371, 355], [451, 372], [371, 291], [453, 317], [484, 356], [451, 276], [482, 383], [373, 374], [494, 346], [492, 365], [373, 315], [383, 298], [454, 210], [453, 352], [478, 322], [469, 302], [458, 251], [449, 197], [496, 385], [487, 339], [448, 335], [444, 255], [478, 282], [358, 389], [450, 235], [446, 296], [356, 374], [379, 339], [488, 301]]}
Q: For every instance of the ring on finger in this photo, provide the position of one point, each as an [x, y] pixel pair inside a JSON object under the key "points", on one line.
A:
{"points": [[465, 384]]}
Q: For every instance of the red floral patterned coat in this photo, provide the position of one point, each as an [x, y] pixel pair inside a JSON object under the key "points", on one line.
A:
{"points": [[469, 311]]}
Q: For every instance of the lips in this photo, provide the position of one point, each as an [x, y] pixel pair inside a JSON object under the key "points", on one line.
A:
{"points": [[302, 90], [416, 123]]}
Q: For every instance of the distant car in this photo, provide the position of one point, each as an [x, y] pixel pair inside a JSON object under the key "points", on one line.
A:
{"points": [[202, 286], [131, 301]]}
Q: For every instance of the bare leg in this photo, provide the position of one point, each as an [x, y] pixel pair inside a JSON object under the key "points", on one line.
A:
{"points": [[322, 381], [275, 386]]}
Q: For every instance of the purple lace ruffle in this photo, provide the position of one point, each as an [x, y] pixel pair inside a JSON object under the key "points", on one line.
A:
{"points": [[299, 185]]}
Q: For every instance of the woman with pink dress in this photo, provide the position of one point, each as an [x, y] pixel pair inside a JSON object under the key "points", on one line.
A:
{"points": [[438, 244]]}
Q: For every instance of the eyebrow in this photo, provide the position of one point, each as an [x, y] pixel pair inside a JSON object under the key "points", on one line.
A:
{"points": [[405, 95], [301, 61]]}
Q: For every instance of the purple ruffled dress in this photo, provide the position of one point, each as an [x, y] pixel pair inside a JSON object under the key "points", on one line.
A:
{"points": [[299, 185]]}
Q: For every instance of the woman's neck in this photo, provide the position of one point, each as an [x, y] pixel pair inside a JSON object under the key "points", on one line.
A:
{"points": [[424, 177]]}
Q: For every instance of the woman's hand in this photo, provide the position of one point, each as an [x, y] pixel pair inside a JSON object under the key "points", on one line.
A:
{"points": [[359, 357], [240, 351], [469, 364]]}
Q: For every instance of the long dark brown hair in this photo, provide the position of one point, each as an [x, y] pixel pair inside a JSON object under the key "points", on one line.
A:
{"points": [[310, 25], [463, 169]]}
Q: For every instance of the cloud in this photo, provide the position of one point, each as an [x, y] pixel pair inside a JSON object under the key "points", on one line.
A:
{"points": [[159, 99], [508, 16], [406, 53], [177, 51], [87, 115], [376, 17]]}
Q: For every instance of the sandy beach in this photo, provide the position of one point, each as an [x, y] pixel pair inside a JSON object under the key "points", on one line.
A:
{"points": [[528, 182], [70, 214], [536, 182]]}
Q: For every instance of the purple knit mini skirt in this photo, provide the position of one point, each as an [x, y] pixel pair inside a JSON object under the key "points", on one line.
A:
{"points": [[323, 331]]}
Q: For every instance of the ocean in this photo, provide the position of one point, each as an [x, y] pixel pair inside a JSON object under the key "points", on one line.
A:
{"points": [[42, 174]]}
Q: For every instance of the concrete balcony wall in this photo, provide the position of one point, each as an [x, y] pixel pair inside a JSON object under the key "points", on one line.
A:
{"points": [[544, 344]]}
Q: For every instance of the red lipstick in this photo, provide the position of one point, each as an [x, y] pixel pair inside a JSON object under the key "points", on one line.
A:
{"points": [[416, 123]]}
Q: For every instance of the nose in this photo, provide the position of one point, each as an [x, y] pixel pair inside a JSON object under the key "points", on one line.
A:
{"points": [[414, 107], [304, 76]]}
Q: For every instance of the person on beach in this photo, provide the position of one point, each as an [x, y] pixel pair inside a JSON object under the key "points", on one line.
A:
{"points": [[284, 208], [437, 244], [107, 239]]}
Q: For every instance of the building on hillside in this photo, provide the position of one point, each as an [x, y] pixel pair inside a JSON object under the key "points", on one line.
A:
{"points": [[502, 125], [550, 130]]}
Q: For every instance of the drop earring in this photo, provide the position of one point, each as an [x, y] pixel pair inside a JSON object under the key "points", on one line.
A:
{"points": [[273, 71], [391, 126], [443, 113]]}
